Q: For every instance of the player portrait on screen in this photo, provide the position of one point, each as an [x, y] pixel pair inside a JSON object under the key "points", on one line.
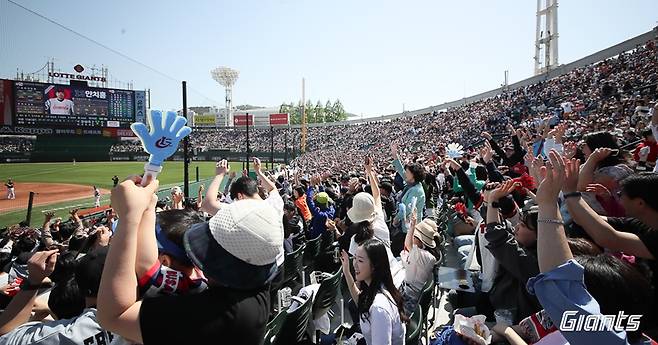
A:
{"points": [[59, 105]]}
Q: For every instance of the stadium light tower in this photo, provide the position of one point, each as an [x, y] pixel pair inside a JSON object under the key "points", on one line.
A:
{"points": [[226, 77], [546, 36]]}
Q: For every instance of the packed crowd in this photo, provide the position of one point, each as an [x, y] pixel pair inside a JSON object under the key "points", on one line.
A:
{"points": [[128, 146], [235, 140], [612, 95], [10, 144], [544, 206], [232, 140]]}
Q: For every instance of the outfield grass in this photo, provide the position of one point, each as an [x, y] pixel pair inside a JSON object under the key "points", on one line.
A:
{"points": [[100, 173], [94, 173]]}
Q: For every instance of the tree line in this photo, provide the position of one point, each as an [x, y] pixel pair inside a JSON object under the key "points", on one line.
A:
{"points": [[315, 113]]}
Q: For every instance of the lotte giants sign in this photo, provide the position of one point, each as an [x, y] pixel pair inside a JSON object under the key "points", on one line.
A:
{"points": [[76, 76]]}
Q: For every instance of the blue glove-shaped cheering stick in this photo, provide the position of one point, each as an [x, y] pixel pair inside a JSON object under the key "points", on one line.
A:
{"points": [[162, 141]]}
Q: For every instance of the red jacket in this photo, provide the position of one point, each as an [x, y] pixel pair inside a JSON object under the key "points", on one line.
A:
{"points": [[653, 152]]}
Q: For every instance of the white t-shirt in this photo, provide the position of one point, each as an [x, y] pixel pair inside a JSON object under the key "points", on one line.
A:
{"points": [[57, 107], [384, 326], [83, 329], [418, 264]]}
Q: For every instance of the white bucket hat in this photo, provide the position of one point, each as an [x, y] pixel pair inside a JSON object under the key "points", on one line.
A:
{"points": [[363, 208]]}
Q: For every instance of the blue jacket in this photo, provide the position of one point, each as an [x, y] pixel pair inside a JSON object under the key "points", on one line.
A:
{"points": [[320, 216], [413, 191]]}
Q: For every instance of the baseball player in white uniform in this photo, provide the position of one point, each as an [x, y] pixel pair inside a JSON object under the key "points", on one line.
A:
{"points": [[97, 197], [59, 105]]}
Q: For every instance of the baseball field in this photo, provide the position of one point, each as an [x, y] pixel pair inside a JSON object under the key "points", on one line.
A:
{"points": [[60, 187]]}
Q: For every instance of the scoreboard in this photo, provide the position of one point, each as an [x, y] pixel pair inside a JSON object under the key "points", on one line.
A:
{"points": [[66, 106]]}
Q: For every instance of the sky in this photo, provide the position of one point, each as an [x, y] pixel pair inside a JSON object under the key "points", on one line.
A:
{"points": [[375, 56]]}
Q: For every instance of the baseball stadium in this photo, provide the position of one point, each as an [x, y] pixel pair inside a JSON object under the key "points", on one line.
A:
{"points": [[137, 207]]}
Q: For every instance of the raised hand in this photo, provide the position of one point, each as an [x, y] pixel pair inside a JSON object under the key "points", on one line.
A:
{"points": [[48, 216], [222, 167], [535, 169], [602, 153], [572, 170], [394, 149], [554, 178], [453, 164], [528, 159], [559, 132], [130, 200], [368, 164], [503, 190], [354, 184], [486, 153], [257, 164], [166, 132], [486, 135], [41, 265], [570, 149], [345, 261], [599, 190], [413, 218]]}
